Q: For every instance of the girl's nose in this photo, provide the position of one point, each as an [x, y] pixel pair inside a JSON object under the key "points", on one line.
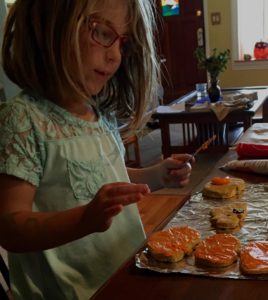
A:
{"points": [[114, 52]]}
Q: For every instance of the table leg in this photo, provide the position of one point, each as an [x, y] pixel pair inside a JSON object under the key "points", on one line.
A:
{"points": [[165, 136]]}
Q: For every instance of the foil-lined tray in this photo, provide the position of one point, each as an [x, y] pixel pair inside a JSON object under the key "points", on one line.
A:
{"points": [[196, 213]]}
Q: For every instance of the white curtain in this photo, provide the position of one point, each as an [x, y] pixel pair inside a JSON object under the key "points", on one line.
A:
{"points": [[252, 24]]}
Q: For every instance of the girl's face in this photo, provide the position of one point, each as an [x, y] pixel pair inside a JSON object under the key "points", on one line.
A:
{"points": [[101, 40]]}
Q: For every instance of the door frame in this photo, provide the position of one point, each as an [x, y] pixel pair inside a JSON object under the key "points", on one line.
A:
{"points": [[206, 24]]}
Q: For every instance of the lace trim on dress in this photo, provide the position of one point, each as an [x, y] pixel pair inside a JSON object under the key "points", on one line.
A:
{"points": [[27, 123]]}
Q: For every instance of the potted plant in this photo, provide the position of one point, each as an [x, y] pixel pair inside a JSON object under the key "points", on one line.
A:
{"points": [[214, 64]]}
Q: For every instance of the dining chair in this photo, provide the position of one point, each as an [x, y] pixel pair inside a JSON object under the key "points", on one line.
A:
{"points": [[265, 110], [132, 158]]}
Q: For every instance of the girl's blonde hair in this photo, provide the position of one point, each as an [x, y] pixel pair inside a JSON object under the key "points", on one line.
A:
{"points": [[41, 53]]}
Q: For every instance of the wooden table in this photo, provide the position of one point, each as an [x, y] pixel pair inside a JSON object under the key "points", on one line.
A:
{"points": [[133, 283], [157, 209], [195, 127]]}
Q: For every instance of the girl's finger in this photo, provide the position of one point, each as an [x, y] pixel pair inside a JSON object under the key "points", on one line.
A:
{"points": [[112, 211], [125, 199], [131, 188], [186, 169], [175, 163], [181, 157]]}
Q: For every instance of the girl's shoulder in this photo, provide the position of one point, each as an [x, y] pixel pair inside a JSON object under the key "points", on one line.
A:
{"points": [[22, 104], [14, 111], [23, 109], [48, 119]]}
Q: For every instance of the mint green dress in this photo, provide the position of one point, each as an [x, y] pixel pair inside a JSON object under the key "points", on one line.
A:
{"points": [[68, 160]]}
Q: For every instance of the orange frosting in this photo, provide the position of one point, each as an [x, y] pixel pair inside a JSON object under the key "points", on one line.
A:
{"points": [[175, 239], [185, 234], [255, 256], [218, 249], [220, 180]]}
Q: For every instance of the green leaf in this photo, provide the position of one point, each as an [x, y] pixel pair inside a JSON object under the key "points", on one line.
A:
{"points": [[215, 64]]}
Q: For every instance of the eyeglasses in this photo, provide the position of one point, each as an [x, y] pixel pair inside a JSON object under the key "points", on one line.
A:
{"points": [[106, 36]]}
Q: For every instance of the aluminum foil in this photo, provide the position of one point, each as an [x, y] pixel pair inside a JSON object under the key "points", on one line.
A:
{"points": [[196, 213]]}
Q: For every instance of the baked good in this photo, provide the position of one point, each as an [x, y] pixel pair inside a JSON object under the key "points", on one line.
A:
{"points": [[228, 189], [173, 244], [189, 237], [229, 216], [254, 258], [164, 248], [218, 250]]}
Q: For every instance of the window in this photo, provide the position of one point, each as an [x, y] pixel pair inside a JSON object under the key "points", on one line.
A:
{"points": [[250, 25]]}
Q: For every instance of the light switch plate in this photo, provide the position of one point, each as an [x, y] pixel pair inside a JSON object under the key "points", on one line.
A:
{"points": [[215, 18]]}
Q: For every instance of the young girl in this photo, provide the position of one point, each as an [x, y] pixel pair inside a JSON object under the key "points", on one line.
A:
{"points": [[68, 213]]}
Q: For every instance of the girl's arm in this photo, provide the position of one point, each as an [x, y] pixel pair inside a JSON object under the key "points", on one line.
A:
{"points": [[22, 230], [171, 172]]}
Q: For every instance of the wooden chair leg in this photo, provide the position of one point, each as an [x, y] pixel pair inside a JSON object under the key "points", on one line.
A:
{"points": [[265, 110], [136, 161], [137, 152]]}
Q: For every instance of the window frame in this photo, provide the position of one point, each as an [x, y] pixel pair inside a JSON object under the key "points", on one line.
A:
{"points": [[238, 64]]}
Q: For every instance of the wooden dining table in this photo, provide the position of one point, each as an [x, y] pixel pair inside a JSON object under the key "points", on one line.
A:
{"points": [[131, 282], [193, 127]]}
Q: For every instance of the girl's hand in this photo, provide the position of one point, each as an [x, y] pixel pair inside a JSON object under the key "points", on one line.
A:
{"points": [[110, 201], [176, 170]]}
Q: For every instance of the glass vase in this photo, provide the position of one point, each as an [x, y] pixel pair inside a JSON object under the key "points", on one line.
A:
{"points": [[214, 91]]}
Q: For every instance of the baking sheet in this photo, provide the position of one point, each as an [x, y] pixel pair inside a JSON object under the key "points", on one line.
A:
{"points": [[196, 213]]}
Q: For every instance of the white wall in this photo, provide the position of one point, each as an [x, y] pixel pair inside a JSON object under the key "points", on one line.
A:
{"points": [[10, 89]]}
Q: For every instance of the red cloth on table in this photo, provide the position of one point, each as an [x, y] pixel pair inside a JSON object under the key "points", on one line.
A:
{"points": [[245, 150]]}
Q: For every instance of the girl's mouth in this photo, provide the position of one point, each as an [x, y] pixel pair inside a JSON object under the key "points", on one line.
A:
{"points": [[102, 73]]}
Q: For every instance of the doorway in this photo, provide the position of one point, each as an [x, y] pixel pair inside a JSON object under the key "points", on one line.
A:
{"points": [[179, 36]]}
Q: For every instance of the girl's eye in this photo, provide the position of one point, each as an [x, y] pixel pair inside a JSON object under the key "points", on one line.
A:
{"points": [[103, 34]]}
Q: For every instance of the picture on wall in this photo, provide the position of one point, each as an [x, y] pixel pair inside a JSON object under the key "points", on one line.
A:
{"points": [[170, 7]]}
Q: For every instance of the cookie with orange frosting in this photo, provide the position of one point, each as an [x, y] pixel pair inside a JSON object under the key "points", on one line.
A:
{"points": [[171, 245], [224, 187], [254, 258], [218, 250]]}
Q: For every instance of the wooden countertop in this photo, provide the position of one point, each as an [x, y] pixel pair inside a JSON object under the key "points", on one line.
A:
{"points": [[133, 283], [157, 209]]}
